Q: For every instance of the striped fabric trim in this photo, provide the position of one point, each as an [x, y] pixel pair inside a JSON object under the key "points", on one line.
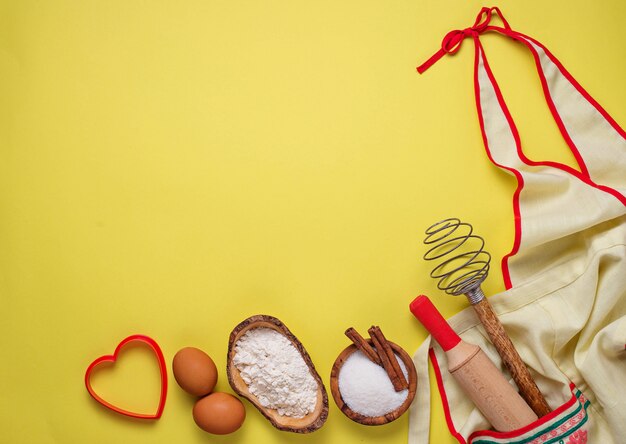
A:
{"points": [[567, 427]]}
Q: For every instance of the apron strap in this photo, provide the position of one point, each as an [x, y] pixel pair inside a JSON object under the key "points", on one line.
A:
{"points": [[452, 41], [596, 141], [552, 200]]}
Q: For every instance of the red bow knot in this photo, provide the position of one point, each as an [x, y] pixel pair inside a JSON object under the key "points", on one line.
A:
{"points": [[452, 41]]}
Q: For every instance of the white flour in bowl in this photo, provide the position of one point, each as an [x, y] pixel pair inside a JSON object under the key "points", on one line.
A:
{"points": [[275, 372]]}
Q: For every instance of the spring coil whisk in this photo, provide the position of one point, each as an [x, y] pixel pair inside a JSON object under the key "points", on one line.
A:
{"points": [[464, 264]]}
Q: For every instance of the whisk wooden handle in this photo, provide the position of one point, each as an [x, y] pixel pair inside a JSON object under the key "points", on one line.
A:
{"points": [[527, 387]]}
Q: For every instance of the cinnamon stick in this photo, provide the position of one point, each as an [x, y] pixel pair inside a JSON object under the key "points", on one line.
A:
{"points": [[363, 345], [388, 359]]}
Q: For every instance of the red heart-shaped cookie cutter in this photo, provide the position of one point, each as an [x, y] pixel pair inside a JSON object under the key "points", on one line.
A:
{"points": [[112, 358]]}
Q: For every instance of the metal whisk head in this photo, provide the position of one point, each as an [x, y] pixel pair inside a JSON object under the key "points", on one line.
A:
{"points": [[464, 263]]}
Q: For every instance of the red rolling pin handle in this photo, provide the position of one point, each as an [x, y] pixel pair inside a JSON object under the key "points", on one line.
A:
{"points": [[424, 310]]}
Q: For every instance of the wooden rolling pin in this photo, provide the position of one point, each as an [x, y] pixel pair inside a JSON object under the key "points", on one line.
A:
{"points": [[483, 383]]}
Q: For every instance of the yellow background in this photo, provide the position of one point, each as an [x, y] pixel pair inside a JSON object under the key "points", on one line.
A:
{"points": [[171, 168]]}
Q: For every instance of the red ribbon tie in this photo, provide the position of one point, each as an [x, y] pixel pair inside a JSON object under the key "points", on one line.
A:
{"points": [[452, 41]]}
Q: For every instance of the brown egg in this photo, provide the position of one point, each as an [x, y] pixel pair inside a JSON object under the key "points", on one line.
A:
{"points": [[219, 413], [194, 371]]}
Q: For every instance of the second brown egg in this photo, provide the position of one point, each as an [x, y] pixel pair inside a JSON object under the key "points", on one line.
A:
{"points": [[219, 413]]}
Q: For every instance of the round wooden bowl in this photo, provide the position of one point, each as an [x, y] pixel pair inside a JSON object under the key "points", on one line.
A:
{"points": [[373, 420], [307, 424]]}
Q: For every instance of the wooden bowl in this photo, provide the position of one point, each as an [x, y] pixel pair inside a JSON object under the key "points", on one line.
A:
{"points": [[308, 423], [373, 420]]}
